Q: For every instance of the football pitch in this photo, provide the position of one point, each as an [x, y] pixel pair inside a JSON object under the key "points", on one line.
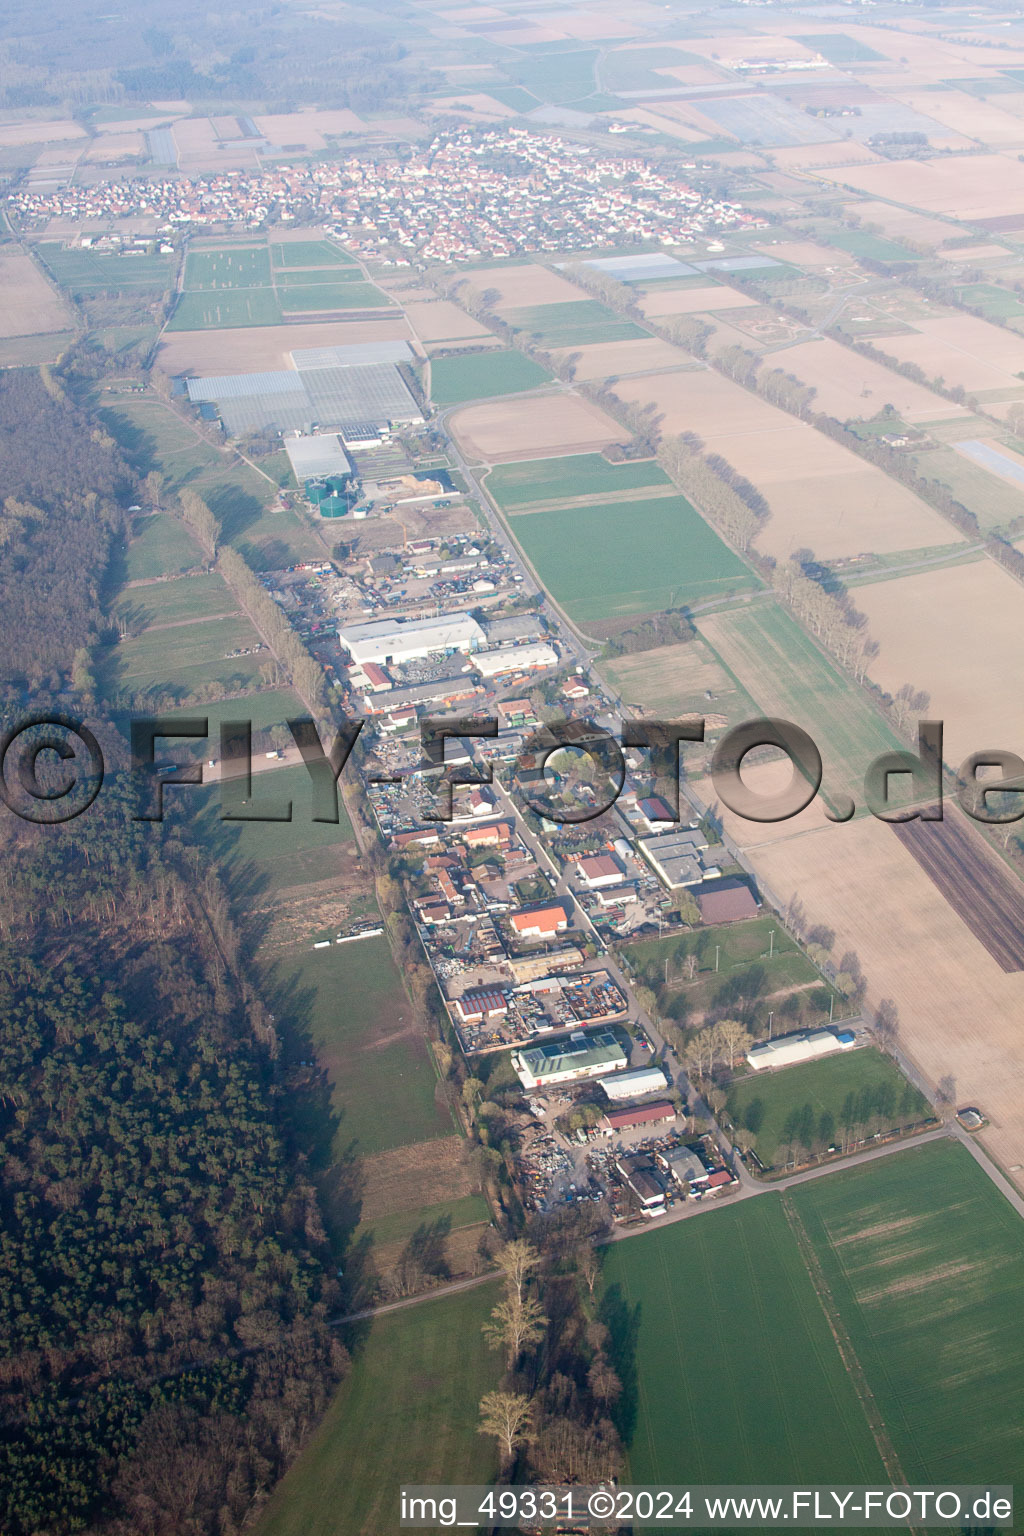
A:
{"points": [[258, 285], [621, 558]]}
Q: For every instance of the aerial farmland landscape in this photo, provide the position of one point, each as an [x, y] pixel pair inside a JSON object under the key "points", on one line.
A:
{"points": [[512, 940]]}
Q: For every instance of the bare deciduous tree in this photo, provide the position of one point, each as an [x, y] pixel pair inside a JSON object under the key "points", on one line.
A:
{"points": [[516, 1260], [515, 1325], [945, 1097], [887, 1023], [506, 1416]]}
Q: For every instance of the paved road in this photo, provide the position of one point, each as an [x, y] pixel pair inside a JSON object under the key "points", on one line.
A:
{"points": [[662, 1050], [415, 1301], [691, 1209]]}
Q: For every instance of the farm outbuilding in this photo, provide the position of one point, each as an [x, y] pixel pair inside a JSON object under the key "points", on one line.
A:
{"points": [[803, 1046], [628, 1119], [633, 1085]]}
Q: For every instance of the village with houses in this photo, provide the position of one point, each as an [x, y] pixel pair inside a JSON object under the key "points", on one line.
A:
{"points": [[450, 200]]}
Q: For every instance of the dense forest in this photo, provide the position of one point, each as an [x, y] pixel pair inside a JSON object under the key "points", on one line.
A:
{"points": [[265, 57], [165, 1279], [65, 487], [163, 1265]]}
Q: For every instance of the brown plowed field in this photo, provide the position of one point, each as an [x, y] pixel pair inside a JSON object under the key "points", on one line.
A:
{"points": [[981, 892]]}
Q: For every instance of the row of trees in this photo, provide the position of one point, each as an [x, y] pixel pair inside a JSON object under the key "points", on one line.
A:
{"points": [[551, 1416], [66, 486], [725, 497]]}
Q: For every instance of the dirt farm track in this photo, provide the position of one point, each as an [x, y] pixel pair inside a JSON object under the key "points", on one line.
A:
{"points": [[981, 892]]}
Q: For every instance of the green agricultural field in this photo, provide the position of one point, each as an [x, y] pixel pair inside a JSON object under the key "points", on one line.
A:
{"points": [[90, 273], [161, 546], [481, 375], [837, 48], [860, 243], [513, 96], [997, 303], [817, 1103], [575, 323], [225, 310], [176, 602], [185, 658], [635, 69], [233, 267], [729, 1369], [310, 253], [734, 974], [407, 1413], [924, 1260], [362, 1028], [791, 679], [343, 295], [556, 77], [618, 558], [515, 486]]}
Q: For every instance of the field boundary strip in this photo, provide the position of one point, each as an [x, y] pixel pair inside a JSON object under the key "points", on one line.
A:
{"points": [[844, 1344]]}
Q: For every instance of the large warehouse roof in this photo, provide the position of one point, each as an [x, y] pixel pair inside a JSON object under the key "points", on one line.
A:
{"points": [[515, 658], [314, 458], [582, 1055], [323, 391], [352, 356], [382, 639]]}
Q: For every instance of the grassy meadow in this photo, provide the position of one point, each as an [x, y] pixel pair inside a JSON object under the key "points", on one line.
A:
{"points": [[362, 1027], [406, 1413], [832, 1096], [789, 677]]}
